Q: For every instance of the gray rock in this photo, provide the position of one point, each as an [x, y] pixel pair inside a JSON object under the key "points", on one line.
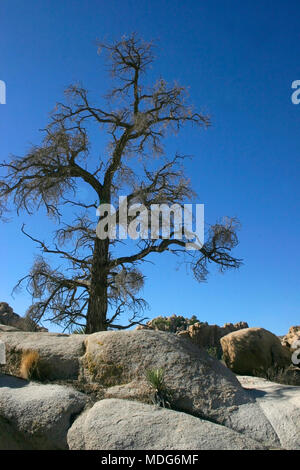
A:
{"points": [[114, 424], [113, 365], [59, 354], [281, 405], [201, 384], [35, 416], [250, 420]]}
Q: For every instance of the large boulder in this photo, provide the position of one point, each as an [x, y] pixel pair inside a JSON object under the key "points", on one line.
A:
{"points": [[201, 385], [35, 416], [57, 358], [119, 361], [252, 351], [114, 424], [281, 405]]}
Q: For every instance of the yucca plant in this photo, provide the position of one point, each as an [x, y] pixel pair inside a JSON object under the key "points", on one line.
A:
{"points": [[79, 331], [162, 396], [156, 378]]}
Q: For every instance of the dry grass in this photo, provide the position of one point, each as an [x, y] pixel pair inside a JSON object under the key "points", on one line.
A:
{"points": [[29, 365], [285, 376]]}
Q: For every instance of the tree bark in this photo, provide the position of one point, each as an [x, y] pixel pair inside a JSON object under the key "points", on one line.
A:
{"points": [[98, 304]]}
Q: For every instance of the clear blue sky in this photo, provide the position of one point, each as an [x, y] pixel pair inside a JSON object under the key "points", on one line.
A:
{"points": [[239, 59]]}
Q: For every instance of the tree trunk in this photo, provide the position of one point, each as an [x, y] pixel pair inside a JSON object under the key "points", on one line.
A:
{"points": [[97, 308]]}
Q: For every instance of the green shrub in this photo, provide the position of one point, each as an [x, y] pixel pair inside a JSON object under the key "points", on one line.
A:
{"points": [[155, 378], [173, 323], [215, 352]]}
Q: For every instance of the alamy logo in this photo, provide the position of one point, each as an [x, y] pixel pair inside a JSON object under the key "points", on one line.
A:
{"points": [[2, 92], [161, 221], [2, 353], [296, 354], [296, 94]]}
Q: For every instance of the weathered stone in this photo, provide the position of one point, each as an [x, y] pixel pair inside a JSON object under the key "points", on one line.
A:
{"points": [[59, 355], [250, 421], [126, 425], [113, 365], [253, 350], [281, 405], [201, 385], [35, 416], [208, 336]]}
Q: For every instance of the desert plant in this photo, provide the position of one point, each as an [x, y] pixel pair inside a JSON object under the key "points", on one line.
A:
{"points": [[29, 367], [174, 323], [280, 375], [161, 323], [155, 378], [162, 395], [215, 352], [79, 331], [193, 320]]}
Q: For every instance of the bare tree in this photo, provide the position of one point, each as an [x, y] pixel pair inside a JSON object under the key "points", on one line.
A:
{"points": [[136, 120]]}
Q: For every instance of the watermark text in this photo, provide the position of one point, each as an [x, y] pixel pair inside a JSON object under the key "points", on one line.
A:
{"points": [[2, 92], [183, 222]]}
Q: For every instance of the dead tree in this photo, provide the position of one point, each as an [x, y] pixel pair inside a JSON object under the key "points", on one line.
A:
{"points": [[135, 118]]}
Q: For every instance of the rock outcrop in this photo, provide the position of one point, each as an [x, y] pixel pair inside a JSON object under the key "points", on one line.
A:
{"points": [[292, 336], [208, 336], [253, 350], [113, 364], [201, 333], [111, 367], [113, 424], [9, 318]]}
